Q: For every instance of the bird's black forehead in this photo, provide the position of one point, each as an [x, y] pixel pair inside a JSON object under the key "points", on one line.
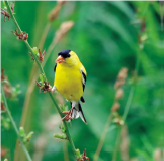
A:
{"points": [[65, 53]]}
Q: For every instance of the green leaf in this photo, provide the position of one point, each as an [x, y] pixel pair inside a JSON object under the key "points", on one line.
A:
{"points": [[123, 7]]}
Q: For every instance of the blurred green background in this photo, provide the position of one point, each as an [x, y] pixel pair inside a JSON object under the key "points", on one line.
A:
{"points": [[105, 37]]}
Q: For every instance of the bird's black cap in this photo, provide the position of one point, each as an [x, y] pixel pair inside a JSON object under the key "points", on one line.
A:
{"points": [[65, 53]]}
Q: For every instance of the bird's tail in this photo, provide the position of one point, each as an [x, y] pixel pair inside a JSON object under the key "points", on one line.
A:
{"points": [[77, 111]]}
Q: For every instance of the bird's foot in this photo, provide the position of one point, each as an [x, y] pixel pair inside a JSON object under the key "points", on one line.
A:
{"points": [[68, 116]]}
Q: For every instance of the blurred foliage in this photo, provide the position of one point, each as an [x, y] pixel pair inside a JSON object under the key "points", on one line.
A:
{"points": [[105, 37]]}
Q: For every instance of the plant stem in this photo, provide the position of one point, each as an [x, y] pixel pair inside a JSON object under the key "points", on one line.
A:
{"points": [[127, 107], [15, 127], [34, 72], [65, 124], [103, 135], [42, 71]]}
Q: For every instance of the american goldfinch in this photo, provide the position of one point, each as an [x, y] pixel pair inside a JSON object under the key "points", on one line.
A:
{"points": [[70, 80]]}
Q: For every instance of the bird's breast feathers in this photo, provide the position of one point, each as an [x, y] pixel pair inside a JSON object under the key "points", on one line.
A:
{"points": [[68, 81]]}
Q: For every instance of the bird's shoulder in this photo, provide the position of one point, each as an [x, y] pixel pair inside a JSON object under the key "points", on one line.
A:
{"points": [[82, 69], [84, 75]]}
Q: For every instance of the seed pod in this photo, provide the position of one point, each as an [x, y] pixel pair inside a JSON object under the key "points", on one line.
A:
{"points": [[123, 73], [115, 107], [64, 28], [119, 84], [55, 12], [119, 94]]}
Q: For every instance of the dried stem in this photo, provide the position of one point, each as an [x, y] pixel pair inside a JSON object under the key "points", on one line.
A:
{"points": [[15, 127], [44, 75], [127, 107]]}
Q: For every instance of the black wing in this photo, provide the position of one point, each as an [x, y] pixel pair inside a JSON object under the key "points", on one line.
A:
{"points": [[83, 83], [55, 67], [84, 79]]}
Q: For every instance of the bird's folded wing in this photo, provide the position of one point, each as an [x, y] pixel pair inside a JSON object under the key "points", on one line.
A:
{"points": [[84, 78]]}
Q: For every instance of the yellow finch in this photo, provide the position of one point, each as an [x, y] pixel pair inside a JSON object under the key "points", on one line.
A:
{"points": [[70, 80]]}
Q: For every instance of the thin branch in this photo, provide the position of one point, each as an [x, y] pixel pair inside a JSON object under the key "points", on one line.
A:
{"points": [[15, 127], [42, 71]]}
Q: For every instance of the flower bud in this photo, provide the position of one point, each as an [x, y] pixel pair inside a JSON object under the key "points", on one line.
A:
{"points": [[78, 155], [118, 121], [29, 135], [60, 136], [21, 132], [41, 78], [35, 50]]}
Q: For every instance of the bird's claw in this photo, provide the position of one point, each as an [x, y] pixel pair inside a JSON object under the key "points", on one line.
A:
{"points": [[68, 116]]}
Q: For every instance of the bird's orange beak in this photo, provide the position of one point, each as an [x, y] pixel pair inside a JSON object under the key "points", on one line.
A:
{"points": [[60, 59]]}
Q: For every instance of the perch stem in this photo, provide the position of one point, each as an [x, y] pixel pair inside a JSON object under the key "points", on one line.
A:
{"points": [[42, 71]]}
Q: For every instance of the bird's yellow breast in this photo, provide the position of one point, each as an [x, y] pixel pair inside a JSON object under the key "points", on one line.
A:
{"points": [[68, 81]]}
